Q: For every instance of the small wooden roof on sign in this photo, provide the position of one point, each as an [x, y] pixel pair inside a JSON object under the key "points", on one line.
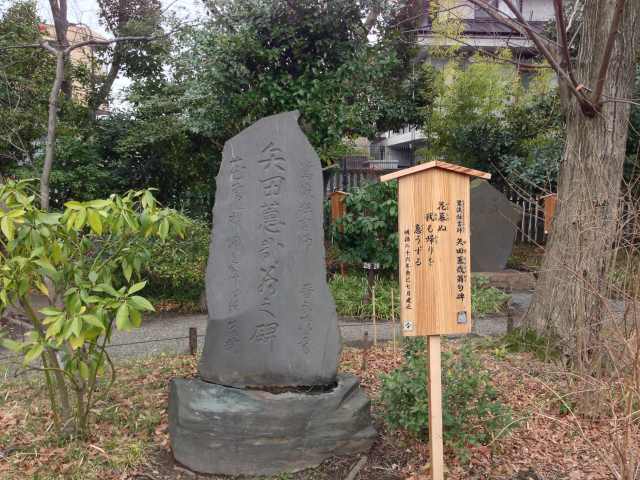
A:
{"points": [[435, 164]]}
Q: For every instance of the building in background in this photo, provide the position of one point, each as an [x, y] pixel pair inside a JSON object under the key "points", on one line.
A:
{"points": [[396, 149], [84, 56]]}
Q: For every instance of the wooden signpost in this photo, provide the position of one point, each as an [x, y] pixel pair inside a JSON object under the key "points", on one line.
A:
{"points": [[550, 202], [435, 268], [338, 210]]}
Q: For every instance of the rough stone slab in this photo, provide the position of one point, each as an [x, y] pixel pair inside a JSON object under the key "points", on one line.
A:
{"points": [[272, 320], [225, 430], [493, 227]]}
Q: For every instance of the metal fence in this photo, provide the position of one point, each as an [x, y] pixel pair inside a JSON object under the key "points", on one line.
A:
{"points": [[531, 222]]}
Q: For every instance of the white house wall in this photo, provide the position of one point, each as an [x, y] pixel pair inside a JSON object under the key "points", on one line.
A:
{"points": [[532, 10], [537, 10]]}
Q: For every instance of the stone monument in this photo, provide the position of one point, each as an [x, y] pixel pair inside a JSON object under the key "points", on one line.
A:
{"points": [[494, 222], [268, 399]]}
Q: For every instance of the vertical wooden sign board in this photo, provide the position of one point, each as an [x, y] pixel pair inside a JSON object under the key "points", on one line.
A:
{"points": [[550, 202], [338, 210], [435, 268], [338, 207]]}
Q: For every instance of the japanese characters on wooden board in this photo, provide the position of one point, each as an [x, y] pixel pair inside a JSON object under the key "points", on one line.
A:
{"points": [[434, 248]]}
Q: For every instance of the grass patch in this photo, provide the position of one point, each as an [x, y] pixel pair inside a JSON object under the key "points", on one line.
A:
{"points": [[527, 340], [486, 299], [348, 292], [130, 425]]}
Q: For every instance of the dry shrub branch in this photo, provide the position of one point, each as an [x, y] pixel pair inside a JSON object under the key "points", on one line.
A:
{"points": [[600, 356]]}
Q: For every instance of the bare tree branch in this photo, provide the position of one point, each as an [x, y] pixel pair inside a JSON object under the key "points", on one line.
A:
{"points": [[542, 44], [94, 42], [61, 27], [608, 50], [574, 13], [50, 149], [562, 37], [60, 20], [47, 46]]}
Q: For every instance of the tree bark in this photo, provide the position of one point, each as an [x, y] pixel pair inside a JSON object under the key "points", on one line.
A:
{"points": [[50, 149], [570, 301], [102, 95]]}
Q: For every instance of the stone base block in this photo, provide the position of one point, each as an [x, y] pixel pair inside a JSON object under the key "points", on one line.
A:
{"points": [[231, 431]]}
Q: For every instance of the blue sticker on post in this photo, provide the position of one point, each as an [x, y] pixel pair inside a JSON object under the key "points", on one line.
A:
{"points": [[462, 317]]}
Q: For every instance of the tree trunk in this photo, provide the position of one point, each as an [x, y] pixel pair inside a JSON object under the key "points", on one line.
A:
{"points": [[50, 149], [570, 299], [102, 95], [61, 25]]}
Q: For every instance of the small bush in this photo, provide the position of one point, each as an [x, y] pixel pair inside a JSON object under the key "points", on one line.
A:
{"points": [[368, 231], [472, 414], [177, 270], [486, 299]]}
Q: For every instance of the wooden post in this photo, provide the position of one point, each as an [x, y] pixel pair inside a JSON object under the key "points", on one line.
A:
{"points": [[338, 210], [193, 341], [375, 327], [365, 350], [509, 317], [435, 265], [435, 408], [393, 324], [550, 202]]}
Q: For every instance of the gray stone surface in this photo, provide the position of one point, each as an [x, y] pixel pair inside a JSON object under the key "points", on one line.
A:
{"points": [[217, 429], [493, 227], [272, 320]]}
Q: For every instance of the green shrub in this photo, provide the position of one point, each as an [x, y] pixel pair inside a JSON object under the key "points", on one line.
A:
{"points": [[486, 299], [176, 273], [88, 261], [368, 231], [472, 413]]}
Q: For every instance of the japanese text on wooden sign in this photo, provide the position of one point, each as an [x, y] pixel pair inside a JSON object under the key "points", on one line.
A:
{"points": [[434, 249]]}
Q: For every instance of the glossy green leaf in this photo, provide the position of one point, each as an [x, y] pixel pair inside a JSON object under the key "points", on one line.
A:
{"points": [[140, 303], [73, 205], [136, 287], [93, 320], [50, 311], [95, 221], [136, 318], [7, 227], [107, 288], [122, 318], [33, 353]]}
